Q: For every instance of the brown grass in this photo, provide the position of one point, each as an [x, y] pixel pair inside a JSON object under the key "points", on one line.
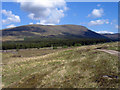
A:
{"points": [[77, 67]]}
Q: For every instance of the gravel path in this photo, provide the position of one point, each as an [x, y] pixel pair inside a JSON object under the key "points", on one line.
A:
{"points": [[113, 52]]}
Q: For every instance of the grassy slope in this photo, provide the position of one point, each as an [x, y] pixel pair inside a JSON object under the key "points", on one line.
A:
{"points": [[114, 46], [111, 46], [77, 67], [61, 31]]}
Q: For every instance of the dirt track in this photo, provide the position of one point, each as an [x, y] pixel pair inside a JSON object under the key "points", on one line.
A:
{"points": [[113, 52]]}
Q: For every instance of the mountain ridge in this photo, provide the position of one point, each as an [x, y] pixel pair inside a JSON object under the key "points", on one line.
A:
{"points": [[115, 36], [49, 31]]}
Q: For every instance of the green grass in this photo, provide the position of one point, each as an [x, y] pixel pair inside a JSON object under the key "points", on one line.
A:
{"points": [[77, 67], [111, 46]]}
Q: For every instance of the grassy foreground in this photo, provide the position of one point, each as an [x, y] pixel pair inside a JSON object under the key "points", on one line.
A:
{"points": [[75, 67]]}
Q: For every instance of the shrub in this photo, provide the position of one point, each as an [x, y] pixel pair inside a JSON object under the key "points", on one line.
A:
{"points": [[54, 47], [77, 44], [64, 46], [17, 49]]}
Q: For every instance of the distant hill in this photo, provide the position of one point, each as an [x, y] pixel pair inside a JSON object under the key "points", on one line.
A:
{"points": [[49, 31], [115, 36]]}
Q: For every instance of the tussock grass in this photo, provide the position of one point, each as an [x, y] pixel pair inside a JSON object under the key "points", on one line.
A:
{"points": [[111, 46], [77, 67]]}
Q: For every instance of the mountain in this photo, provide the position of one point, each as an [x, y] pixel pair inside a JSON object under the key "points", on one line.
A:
{"points": [[115, 36], [49, 31]]}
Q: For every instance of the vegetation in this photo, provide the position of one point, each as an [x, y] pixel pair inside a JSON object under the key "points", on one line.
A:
{"points": [[54, 47], [64, 46], [110, 46], [35, 43], [76, 67], [114, 46]]}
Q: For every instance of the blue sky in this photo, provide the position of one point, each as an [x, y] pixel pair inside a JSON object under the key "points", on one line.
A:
{"points": [[101, 17]]}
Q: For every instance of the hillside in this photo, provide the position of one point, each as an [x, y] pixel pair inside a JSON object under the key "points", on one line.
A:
{"points": [[73, 67], [49, 31], [114, 36]]}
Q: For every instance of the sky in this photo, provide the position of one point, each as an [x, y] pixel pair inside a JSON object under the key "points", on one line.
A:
{"points": [[101, 17]]}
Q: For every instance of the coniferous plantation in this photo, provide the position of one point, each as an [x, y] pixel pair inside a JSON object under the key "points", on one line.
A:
{"points": [[50, 43]]}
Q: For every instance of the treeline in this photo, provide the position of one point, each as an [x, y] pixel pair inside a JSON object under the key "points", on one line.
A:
{"points": [[50, 43]]}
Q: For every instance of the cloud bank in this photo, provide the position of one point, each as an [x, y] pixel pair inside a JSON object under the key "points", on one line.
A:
{"points": [[98, 22], [103, 32], [46, 11], [11, 18], [10, 26]]}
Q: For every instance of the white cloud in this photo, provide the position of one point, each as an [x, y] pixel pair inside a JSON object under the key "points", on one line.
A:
{"points": [[98, 22], [46, 11], [10, 26], [42, 23], [103, 32], [96, 13], [98, 5], [11, 18], [117, 26], [38, 23], [30, 23]]}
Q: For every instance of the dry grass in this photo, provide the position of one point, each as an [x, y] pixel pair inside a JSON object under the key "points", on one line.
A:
{"points": [[14, 38], [78, 67], [111, 46]]}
